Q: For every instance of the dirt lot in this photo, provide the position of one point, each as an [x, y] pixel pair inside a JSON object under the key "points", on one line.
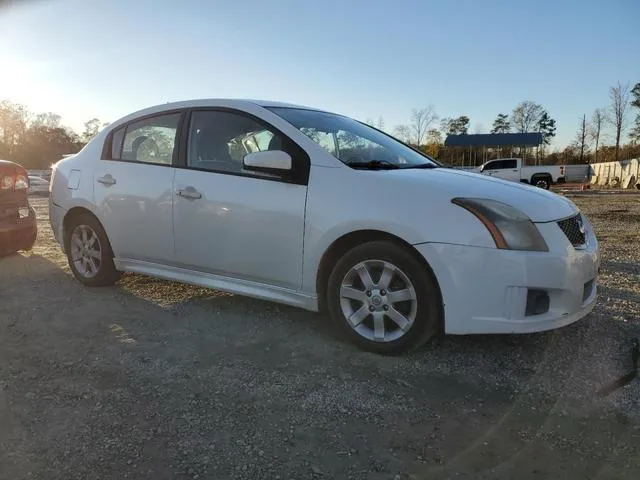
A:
{"points": [[151, 379]]}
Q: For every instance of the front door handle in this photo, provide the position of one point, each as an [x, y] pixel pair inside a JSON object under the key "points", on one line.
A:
{"points": [[107, 180], [189, 193]]}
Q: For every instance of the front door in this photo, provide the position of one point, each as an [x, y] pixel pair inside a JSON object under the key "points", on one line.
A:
{"points": [[133, 189], [507, 169], [232, 222]]}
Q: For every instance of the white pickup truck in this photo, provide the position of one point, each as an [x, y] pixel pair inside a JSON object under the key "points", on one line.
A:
{"points": [[542, 176]]}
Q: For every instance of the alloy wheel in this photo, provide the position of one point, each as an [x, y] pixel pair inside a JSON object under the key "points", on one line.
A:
{"points": [[86, 251], [378, 300]]}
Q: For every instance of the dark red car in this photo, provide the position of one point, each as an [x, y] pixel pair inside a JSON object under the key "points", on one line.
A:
{"points": [[18, 228]]}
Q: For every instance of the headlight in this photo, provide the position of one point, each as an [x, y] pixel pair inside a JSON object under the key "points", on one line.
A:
{"points": [[510, 228]]}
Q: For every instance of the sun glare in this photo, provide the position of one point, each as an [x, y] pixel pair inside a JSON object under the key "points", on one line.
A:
{"points": [[22, 81]]}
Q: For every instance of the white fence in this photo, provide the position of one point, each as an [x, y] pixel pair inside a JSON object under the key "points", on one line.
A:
{"points": [[625, 174], [622, 174]]}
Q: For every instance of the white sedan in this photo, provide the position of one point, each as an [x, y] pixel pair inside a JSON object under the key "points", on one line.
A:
{"points": [[317, 210]]}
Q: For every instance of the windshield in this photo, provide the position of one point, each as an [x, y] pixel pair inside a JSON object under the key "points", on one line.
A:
{"points": [[352, 142]]}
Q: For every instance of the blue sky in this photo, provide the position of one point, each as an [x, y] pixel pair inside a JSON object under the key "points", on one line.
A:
{"points": [[363, 58]]}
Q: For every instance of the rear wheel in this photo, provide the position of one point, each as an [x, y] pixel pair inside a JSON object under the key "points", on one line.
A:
{"points": [[89, 252], [543, 181], [383, 299]]}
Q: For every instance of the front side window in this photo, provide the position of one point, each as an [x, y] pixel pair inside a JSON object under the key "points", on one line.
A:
{"points": [[352, 142], [151, 140], [326, 140], [218, 140], [489, 166]]}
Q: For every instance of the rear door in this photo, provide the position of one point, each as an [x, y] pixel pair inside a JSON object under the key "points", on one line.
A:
{"points": [[132, 187]]}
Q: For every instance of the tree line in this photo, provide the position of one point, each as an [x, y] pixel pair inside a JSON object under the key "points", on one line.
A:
{"points": [[38, 140], [426, 130]]}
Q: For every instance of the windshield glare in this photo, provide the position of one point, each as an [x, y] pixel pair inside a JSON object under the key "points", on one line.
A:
{"points": [[350, 141]]}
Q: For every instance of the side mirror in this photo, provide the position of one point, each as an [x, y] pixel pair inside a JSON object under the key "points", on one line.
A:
{"points": [[269, 161]]}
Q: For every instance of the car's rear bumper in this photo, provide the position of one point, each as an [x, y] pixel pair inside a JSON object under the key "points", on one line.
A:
{"points": [[485, 290], [56, 217], [17, 233]]}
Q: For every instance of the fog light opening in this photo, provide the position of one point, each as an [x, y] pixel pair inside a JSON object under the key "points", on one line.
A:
{"points": [[537, 302]]}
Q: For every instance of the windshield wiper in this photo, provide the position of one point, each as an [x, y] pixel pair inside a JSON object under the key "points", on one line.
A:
{"points": [[423, 165], [374, 165]]}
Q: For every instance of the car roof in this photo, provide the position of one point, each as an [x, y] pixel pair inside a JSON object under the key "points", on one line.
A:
{"points": [[207, 102], [240, 102]]}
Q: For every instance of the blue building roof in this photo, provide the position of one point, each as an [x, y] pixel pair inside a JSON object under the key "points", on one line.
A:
{"points": [[530, 139]]}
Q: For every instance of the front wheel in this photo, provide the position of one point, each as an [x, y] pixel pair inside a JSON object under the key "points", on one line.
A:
{"points": [[383, 299], [89, 252]]}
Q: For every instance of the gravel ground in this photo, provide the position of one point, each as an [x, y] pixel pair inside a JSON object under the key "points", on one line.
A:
{"points": [[152, 379]]}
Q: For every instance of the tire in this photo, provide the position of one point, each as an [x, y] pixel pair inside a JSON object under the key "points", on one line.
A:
{"points": [[541, 182], [347, 297], [83, 258]]}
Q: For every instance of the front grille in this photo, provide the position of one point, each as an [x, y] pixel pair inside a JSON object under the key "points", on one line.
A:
{"points": [[574, 230]]}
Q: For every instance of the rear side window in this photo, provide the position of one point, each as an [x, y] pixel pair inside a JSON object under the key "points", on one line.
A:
{"points": [[152, 140], [510, 164]]}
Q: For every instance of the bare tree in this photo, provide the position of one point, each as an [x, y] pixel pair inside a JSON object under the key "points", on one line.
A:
{"points": [[597, 120], [14, 122], [92, 128], [434, 136], [403, 133], [47, 119], [619, 95], [582, 137], [379, 124], [416, 131], [526, 116]]}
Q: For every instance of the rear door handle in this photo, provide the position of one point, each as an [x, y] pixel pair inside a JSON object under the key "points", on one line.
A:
{"points": [[107, 179], [189, 193]]}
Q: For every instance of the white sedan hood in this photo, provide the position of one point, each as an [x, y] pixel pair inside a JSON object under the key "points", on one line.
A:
{"points": [[538, 204]]}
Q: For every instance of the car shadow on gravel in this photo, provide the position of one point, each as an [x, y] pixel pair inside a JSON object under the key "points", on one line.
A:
{"points": [[154, 379]]}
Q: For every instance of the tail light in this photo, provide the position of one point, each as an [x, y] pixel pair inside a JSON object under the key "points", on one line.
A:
{"points": [[14, 180]]}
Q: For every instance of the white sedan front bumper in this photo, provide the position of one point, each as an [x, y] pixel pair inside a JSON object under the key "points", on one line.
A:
{"points": [[485, 290]]}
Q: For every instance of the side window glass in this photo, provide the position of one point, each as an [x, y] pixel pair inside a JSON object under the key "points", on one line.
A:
{"points": [[151, 140], [511, 164], [325, 139], [498, 165], [218, 141], [489, 166]]}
